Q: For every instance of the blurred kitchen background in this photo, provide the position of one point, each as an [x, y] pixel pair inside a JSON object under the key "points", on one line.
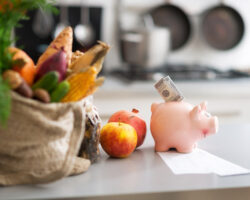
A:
{"points": [[188, 39], [203, 45]]}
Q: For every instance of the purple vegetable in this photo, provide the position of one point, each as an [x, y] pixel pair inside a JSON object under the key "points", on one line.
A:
{"points": [[56, 62]]}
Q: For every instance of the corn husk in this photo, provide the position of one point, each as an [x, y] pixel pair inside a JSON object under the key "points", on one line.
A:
{"points": [[79, 84]]}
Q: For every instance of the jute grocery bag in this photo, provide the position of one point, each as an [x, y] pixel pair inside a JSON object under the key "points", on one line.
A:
{"points": [[41, 141]]}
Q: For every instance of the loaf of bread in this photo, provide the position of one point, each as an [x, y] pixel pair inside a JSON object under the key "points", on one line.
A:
{"points": [[90, 145], [63, 40]]}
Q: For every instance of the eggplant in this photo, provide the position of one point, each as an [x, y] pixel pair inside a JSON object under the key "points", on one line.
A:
{"points": [[56, 62]]}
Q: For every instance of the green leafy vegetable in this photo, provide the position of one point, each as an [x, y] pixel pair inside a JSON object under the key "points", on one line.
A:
{"points": [[11, 13], [5, 101]]}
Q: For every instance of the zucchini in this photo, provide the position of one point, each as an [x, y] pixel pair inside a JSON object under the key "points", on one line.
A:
{"points": [[48, 81], [60, 91]]}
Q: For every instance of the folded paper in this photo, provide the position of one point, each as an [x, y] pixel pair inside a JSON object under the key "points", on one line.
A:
{"points": [[200, 162]]}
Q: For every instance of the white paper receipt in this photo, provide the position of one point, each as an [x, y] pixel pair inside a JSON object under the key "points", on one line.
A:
{"points": [[200, 162]]}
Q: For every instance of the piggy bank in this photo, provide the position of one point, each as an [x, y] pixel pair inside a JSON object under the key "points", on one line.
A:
{"points": [[180, 125]]}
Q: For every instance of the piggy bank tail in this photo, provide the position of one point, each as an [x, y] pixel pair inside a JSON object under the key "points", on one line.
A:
{"points": [[154, 106]]}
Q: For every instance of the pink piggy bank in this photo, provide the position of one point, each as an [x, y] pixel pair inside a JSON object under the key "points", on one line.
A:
{"points": [[180, 125]]}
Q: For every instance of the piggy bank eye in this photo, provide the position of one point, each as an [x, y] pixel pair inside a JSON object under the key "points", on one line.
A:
{"points": [[208, 115]]}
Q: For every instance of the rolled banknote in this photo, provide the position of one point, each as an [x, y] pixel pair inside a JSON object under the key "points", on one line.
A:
{"points": [[167, 89]]}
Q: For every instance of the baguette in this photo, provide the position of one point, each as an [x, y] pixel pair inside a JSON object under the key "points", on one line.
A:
{"points": [[63, 40]]}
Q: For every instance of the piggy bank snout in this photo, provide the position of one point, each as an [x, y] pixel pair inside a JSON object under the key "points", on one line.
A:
{"points": [[214, 124]]}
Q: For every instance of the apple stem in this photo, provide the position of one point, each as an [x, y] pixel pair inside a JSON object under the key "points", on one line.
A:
{"points": [[119, 121], [135, 110]]}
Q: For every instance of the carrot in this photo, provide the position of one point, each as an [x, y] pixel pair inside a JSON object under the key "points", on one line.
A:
{"points": [[5, 5], [27, 69]]}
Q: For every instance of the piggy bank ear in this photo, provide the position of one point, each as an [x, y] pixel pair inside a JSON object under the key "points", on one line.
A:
{"points": [[153, 106], [203, 105], [195, 112]]}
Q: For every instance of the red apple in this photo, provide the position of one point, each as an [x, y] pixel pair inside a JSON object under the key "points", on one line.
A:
{"points": [[118, 139], [133, 119]]}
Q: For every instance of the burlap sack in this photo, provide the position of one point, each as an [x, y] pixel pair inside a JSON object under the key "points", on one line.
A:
{"points": [[41, 142]]}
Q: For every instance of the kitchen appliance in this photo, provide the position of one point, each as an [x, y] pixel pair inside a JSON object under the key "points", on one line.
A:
{"points": [[146, 46], [195, 46]]}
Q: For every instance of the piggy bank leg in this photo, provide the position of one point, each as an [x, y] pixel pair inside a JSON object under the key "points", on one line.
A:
{"points": [[159, 147], [185, 148]]}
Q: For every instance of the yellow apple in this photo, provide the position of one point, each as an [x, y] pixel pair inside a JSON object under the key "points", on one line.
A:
{"points": [[118, 139]]}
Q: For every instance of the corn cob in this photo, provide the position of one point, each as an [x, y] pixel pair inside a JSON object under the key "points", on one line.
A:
{"points": [[98, 82], [90, 57], [75, 55], [80, 84]]}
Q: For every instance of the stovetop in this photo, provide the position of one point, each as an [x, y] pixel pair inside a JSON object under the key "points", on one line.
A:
{"points": [[177, 72]]}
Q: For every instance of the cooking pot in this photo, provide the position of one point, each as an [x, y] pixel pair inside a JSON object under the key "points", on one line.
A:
{"points": [[145, 47]]}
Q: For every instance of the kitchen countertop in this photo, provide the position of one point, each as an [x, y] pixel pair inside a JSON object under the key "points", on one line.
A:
{"points": [[221, 88], [227, 99], [145, 176]]}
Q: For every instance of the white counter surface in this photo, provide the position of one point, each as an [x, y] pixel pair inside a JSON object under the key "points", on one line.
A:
{"points": [[145, 176]]}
